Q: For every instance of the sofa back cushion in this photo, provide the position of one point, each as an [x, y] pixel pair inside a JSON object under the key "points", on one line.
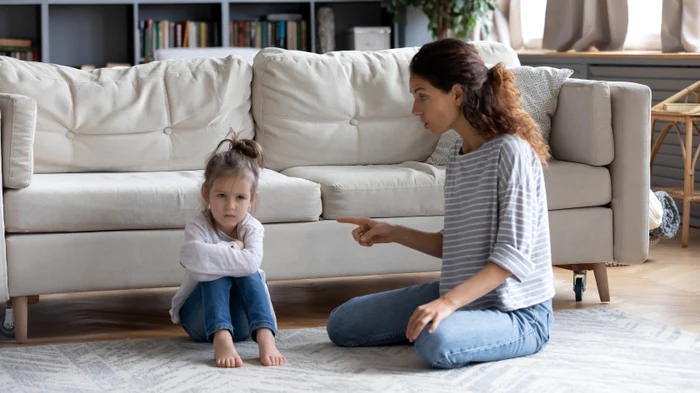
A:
{"points": [[582, 125], [150, 117], [342, 108]]}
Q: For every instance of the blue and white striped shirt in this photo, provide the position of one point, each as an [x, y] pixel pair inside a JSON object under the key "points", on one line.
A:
{"points": [[496, 210]]}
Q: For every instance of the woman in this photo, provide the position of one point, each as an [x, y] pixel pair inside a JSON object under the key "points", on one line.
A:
{"points": [[493, 299]]}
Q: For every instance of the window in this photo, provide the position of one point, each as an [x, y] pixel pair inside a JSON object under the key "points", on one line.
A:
{"points": [[644, 25], [532, 22]]}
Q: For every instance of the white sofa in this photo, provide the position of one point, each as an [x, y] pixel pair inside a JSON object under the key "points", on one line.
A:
{"points": [[248, 54], [101, 169]]}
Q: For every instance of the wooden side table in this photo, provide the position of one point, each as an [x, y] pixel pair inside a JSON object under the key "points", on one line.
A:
{"points": [[688, 113]]}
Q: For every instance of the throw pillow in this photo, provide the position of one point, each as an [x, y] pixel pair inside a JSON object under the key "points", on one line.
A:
{"points": [[539, 86]]}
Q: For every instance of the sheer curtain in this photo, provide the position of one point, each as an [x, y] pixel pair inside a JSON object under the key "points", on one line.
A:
{"points": [[680, 26], [514, 25], [497, 25], [604, 25], [585, 24]]}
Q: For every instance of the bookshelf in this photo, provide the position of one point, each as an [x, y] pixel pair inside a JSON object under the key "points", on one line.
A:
{"points": [[98, 32], [20, 22]]}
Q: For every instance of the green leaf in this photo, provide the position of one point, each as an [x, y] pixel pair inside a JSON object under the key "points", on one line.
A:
{"points": [[459, 16]]}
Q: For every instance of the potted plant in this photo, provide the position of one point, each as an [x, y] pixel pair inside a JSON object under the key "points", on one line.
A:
{"points": [[447, 18]]}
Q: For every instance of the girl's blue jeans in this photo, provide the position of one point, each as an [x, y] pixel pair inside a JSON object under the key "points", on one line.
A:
{"points": [[239, 304], [462, 338]]}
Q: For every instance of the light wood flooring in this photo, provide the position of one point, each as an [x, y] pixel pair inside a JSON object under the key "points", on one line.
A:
{"points": [[666, 288]]}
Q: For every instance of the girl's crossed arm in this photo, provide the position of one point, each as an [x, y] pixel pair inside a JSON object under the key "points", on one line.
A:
{"points": [[206, 261]]}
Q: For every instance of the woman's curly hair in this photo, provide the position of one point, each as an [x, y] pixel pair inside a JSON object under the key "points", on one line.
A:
{"points": [[492, 102]]}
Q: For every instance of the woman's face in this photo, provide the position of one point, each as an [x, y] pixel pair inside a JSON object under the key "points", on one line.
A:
{"points": [[437, 110]]}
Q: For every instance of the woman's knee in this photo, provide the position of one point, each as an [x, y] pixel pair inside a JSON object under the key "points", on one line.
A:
{"points": [[435, 349], [340, 324]]}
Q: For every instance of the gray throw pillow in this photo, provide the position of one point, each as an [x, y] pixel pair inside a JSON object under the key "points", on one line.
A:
{"points": [[539, 86]]}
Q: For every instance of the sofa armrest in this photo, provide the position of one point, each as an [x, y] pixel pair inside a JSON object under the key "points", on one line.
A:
{"points": [[581, 126], [17, 126], [18, 115], [629, 171]]}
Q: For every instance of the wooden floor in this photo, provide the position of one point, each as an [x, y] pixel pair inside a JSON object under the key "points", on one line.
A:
{"points": [[666, 288]]}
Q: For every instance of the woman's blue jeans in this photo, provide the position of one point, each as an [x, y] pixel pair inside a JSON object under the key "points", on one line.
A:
{"points": [[462, 338]]}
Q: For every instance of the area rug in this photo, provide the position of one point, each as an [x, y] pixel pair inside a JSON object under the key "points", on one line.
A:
{"points": [[591, 350]]}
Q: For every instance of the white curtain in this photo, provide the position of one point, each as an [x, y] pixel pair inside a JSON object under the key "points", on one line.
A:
{"points": [[517, 23], [680, 26], [584, 24], [603, 25]]}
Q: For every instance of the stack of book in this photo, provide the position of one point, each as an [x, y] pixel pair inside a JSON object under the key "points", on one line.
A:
{"points": [[162, 34], [286, 31], [19, 49]]}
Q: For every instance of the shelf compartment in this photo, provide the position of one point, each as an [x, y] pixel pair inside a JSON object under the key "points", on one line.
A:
{"points": [[93, 35], [354, 14], [262, 25], [177, 25], [20, 22]]}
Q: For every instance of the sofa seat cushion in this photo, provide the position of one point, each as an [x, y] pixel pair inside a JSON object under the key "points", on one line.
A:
{"points": [[407, 189], [573, 185], [417, 189], [73, 202]]}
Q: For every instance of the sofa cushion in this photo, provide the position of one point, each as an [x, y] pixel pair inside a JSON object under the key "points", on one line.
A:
{"points": [[582, 125], [417, 189], [73, 202], [408, 189], [492, 52], [247, 54], [150, 117], [573, 185], [341, 108]]}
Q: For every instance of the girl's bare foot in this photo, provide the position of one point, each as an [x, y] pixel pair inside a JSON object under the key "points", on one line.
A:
{"points": [[224, 352], [269, 355]]}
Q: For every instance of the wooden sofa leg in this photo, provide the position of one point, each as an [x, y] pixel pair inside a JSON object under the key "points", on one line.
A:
{"points": [[600, 270], [20, 310]]}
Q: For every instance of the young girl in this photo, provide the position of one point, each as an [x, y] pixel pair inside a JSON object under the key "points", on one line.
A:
{"points": [[223, 297], [493, 299]]}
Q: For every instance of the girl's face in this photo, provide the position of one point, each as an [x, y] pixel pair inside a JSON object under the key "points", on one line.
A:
{"points": [[437, 110], [229, 199]]}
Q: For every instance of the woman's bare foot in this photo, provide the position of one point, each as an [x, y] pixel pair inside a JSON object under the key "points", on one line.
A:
{"points": [[269, 355], [224, 352]]}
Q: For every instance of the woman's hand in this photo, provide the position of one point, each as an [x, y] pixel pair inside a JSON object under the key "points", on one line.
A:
{"points": [[240, 244], [434, 312], [369, 232]]}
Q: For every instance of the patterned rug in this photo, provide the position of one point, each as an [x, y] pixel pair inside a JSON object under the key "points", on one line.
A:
{"points": [[591, 350]]}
